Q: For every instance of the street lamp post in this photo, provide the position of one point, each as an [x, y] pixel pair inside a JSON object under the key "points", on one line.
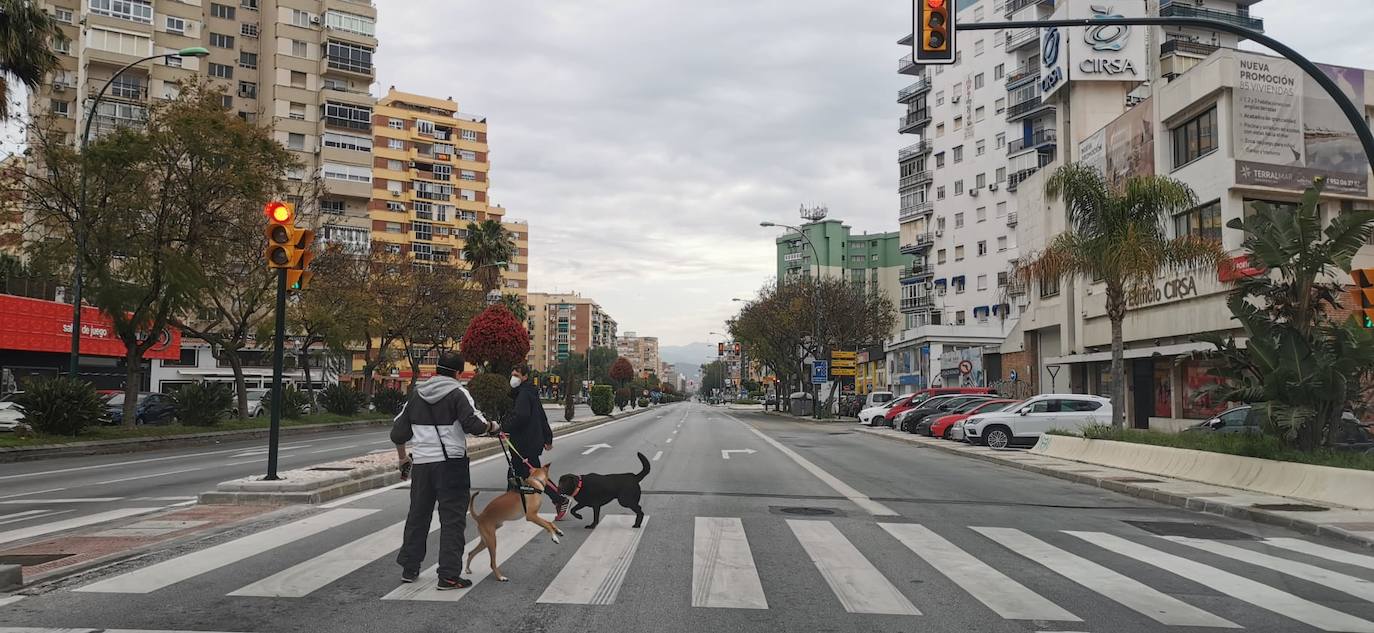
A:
{"points": [[78, 272], [815, 310]]}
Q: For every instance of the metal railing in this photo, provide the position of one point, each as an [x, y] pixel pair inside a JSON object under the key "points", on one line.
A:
{"points": [[915, 209], [915, 149], [921, 85], [905, 63], [1037, 139], [914, 179], [916, 271], [1017, 38], [918, 302], [1011, 219], [1169, 9], [1016, 5], [1025, 107], [913, 119], [1020, 75], [1186, 47]]}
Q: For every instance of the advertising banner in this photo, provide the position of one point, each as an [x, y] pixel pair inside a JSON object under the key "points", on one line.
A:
{"points": [[34, 325], [1107, 53], [1124, 148], [1092, 151]]}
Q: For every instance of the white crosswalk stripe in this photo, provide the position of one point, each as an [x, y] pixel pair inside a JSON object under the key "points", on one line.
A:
{"points": [[70, 524], [300, 580], [723, 571], [858, 585], [1239, 587], [597, 569], [1006, 597], [1357, 587], [1130, 593], [1322, 551], [509, 539], [175, 570]]}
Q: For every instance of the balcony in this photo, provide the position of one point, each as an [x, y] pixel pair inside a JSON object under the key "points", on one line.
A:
{"points": [[1185, 47], [1038, 139], [1015, 180], [1022, 109], [1170, 9], [918, 303], [915, 180], [922, 86], [914, 273], [1022, 76], [920, 244], [915, 210], [913, 150], [1016, 5], [1016, 38], [910, 121], [1011, 219], [907, 66]]}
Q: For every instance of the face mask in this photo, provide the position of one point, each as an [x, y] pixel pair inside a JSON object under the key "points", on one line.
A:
{"points": [[514, 382]]}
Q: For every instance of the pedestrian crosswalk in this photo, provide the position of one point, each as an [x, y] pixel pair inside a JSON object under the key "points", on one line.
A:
{"points": [[1016, 574]]}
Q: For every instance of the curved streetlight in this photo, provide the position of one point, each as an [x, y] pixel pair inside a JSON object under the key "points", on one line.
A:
{"points": [[494, 295], [815, 307], [78, 274]]}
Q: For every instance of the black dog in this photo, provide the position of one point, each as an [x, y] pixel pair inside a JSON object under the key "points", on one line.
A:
{"points": [[593, 491]]}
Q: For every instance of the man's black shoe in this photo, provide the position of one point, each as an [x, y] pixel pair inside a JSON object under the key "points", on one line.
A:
{"points": [[446, 584], [408, 576]]}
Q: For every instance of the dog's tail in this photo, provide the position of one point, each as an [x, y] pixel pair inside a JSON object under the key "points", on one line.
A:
{"points": [[644, 461], [472, 507]]}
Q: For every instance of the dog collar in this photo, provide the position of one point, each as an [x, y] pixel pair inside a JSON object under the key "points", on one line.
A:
{"points": [[577, 488]]}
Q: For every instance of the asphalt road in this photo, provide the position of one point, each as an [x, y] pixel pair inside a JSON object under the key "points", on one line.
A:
{"points": [[816, 529]]}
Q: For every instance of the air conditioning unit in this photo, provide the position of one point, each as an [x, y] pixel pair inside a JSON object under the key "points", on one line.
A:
{"points": [[939, 232], [412, 164], [992, 187], [396, 194], [314, 19], [58, 86], [955, 98], [973, 192]]}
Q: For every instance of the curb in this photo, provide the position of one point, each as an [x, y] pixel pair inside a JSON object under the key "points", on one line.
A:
{"points": [[1197, 504], [375, 477], [140, 444]]}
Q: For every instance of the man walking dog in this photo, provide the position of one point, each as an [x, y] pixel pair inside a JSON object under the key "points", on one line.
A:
{"points": [[435, 421]]}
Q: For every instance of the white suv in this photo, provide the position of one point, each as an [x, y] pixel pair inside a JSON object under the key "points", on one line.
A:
{"points": [[1025, 423]]}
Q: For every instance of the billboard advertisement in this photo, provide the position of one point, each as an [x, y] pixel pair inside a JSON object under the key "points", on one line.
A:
{"points": [[1124, 148], [35, 325], [1289, 131]]}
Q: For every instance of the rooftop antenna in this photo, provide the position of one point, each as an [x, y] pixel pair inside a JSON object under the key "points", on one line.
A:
{"points": [[815, 213]]}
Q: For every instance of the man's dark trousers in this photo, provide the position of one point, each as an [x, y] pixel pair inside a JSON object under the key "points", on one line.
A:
{"points": [[449, 483]]}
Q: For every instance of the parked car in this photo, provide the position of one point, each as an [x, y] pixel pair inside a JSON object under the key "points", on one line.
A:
{"points": [[921, 396], [873, 416], [942, 426], [1234, 420], [913, 403], [1026, 423], [935, 406], [151, 408], [878, 398], [257, 403], [11, 414]]}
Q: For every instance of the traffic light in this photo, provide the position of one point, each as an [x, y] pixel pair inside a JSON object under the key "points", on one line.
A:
{"points": [[288, 246], [720, 349], [1362, 296], [934, 31]]}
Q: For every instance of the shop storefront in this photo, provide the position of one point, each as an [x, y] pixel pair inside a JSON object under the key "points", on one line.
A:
{"points": [[35, 340]]}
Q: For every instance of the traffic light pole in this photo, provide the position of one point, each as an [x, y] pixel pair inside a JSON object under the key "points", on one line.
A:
{"points": [[1352, 113], [278, 356]]}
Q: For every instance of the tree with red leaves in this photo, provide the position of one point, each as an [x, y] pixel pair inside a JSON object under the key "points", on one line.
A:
{"points": [[622, 371], [496, 340]]}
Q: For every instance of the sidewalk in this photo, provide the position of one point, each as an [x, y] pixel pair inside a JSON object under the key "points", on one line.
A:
{"points": [[1353, 526]]}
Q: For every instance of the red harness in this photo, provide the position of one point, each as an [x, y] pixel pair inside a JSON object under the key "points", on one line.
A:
{"points": [[578, 488]]}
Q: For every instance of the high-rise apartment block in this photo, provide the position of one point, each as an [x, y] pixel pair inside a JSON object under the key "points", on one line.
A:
{"points": [[565, 324], [641, 351]]}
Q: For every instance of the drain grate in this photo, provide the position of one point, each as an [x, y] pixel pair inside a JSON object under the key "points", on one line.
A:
{"points": [[808, 511], [1289, 507], [331, 468], [1192, 530], [26, 560]]}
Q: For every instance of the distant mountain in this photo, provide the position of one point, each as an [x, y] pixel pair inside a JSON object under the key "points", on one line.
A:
{"points": [[692, 353]]}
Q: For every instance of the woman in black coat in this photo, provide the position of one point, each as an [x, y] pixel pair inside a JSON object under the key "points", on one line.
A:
{"points": [[530, 432]]}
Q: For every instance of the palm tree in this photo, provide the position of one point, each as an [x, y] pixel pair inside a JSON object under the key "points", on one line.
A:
{"points": [[1117, 236], [26, 36], [488, 244]]}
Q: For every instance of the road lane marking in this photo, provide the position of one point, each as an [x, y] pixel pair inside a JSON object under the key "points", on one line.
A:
{"points": [[1322, 551], [120, 463], [858, 498], [71, 524], [29, 515], [1006, 597], [857, 584], [61, 501], [509, 539], [670, 440], [1239, 587], [170, 472], [172, 571], [300, 580], [658, 455], [8, 600], [595, 572], [165, 498], [723, 571], [36, 492], [1357, 587], [1132, 594]]}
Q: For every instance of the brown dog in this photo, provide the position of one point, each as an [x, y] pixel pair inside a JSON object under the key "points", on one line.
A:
{"points": [[507, 507]]}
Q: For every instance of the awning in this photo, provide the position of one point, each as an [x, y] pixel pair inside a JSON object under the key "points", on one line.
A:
{"points": [[1141, 352], [958, 279], [939, 282], [983, 309]]}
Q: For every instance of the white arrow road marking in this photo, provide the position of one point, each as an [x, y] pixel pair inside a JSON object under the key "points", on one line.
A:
{"points": [[725, 454], [658, 455], [591, 448]]}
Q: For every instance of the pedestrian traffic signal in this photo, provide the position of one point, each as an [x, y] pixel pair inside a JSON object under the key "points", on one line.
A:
{"points": [[933, 32], [1362, 296]]}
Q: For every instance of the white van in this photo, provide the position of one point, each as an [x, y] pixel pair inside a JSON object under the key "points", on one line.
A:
{"points": [[876, 398]]}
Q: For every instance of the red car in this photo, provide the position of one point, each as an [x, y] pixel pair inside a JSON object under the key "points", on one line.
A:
{"points": [[917, 398], [943, 424]]}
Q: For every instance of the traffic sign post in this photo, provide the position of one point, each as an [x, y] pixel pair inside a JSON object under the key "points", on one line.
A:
{"points": [[820, 372]]}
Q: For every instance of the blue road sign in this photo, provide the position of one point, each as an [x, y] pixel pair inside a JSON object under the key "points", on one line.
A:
{"points": [[820, 372], [1013, 375]]}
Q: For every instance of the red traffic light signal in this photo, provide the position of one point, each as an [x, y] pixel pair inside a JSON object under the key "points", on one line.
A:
{"points": [[933, 32], [279, 212], [1362, 296]]}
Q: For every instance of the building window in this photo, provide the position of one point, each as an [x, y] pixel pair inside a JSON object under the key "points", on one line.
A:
{"points": [[222, 71], [249, 30], [433, 190], [395, 143], [982, 282], [248, 89], [980, 148], [248, 60], [348, 115], [1001, 247], [349, 22], [958, 154], [442, 172], [959, 220], [226, 101], [465, 174], [978, 46], [140, 11], [332, 206], [251, 5], [295, 141], [469, 135], [1049, 287], [349, 57], [980, 181], [396, 124], [940, 192], [959, 253], [980, 214], [351, 173], [62, 15], [300, 49], [1195, 138], [982, 247], [940, 256], [1001, 177], [118, 42], [348, 142], [959, 287], [1002, 279], [1000, 105], [394, 165], [940, 160], [298, 79], [1203, 222], [980, 112], [940, 98], [423, 230], [300, 18], [220, 40], [958, 123], [59, 108], [959, 187], [176, 25], [1000, 142], [979, 80], [939, 130], [999, 72], [221, 11], [127, 87]]}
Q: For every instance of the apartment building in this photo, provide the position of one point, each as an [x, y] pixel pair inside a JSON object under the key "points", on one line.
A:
{"points": [[430, 178], [11, 209], [561, 324], [872, 260], [641, 351], [303, 67]]}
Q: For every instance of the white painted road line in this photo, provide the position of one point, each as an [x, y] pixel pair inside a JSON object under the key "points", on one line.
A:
{"points": [[170, 472], [1357, 587], [71, 524], [859, 499], [170, 572], [597, 569], [25, 502], [1006, 597], [1137, 596], [670, 440], [509, 539], [1322, 551], [658, 455], [24, 629], [16, 516], [858, 585], [36, 492], [300, 580], [46, 514], [119, 463], [8, 600], [723, 570], [1239, 587]]}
